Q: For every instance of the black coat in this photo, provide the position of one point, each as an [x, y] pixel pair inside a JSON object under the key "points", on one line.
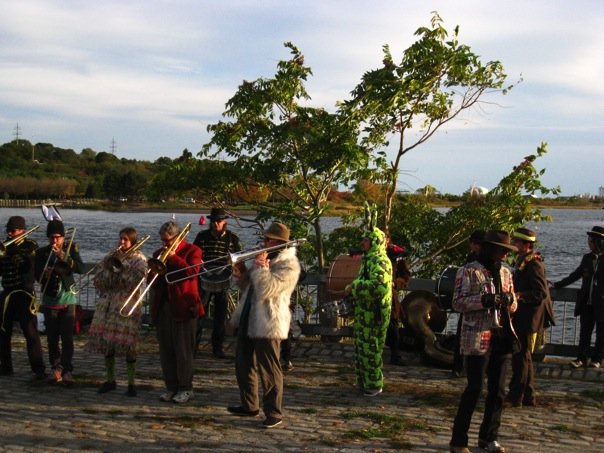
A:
{"points": [[585, 272], [535, 309]]}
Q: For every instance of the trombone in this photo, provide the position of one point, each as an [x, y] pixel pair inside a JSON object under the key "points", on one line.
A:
{"points": [[17, 240], [61, 267], [232, 258], [157, 266]]}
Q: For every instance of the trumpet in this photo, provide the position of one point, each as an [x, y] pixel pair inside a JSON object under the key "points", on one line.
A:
{"points": [[17, 240], [60, 267], [157, 266], [232, 259]]}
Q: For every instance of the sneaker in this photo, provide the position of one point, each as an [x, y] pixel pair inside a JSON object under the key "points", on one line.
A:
{"points": [[372, 392], [453, 449], [183, 397], [287, 366], [594, 364], [107, 386], [239, 410], [131, 390], [578, 363], [68, 380], [166, 397], [491, 447], [54, 377], [271, 422]]}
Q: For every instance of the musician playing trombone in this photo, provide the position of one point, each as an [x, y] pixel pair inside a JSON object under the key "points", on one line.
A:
{"points": [[216, 242], [174, 311], [18, 299], [263, 319], [54, 268], [110, 333]]}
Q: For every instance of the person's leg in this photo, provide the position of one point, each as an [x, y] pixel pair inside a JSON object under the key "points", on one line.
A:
{"points": [[271, 376], [245, 371], [598, 352], [493, 406], [51, 320], [518, 382], [166, 348], [6, 332], [66, 331], [218, 323], [29, 326], [475, 371], [587, 323], [183, 334]]}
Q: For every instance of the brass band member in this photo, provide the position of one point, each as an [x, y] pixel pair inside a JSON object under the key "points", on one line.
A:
{"points": [[217, 242], [112, 334], [17, 301], [174, 310], [483, 290], [55, 266]]}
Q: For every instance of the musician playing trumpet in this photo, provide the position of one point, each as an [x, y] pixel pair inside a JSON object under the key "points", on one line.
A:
{"points": [[112, 334], [17, 301], [484, 293], [174, 311], [54, 267]]}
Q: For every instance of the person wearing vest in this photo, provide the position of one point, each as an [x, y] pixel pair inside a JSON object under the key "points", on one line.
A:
{"points": [[535, 312], [216, 244], [54, 268], [18, 298]]}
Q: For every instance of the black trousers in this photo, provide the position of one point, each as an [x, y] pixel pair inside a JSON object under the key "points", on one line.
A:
{"points": [[522, 384], [60, 324], [219, 315], [587, 324], [493, 365], [17, 308]]}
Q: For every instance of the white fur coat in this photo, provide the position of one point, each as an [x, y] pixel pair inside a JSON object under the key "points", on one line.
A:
{"points": [[273, 286]]}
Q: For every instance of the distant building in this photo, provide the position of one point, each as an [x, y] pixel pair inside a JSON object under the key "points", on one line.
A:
{"points": [[475, 190], [601, 192]]}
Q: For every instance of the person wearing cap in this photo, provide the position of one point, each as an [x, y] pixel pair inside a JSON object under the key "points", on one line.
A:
{"points": [[590, 300], [475, 241], [17, 300], [54, 268], [216, 243], [535, 312], [175, 309], [262, 319], [484, 293]]}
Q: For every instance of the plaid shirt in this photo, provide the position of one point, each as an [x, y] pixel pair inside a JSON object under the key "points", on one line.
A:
{"points": [[471, 282]]}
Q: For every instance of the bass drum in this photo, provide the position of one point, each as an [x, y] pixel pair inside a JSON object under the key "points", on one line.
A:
{"points": [[445, 285], [342, 272]]}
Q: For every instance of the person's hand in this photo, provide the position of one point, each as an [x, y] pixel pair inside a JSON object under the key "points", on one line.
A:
{"points": [[507, 299], [491, 300], [262, 260]]}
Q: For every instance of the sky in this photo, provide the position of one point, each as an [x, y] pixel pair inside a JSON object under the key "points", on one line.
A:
{"points": [[144, 78]]}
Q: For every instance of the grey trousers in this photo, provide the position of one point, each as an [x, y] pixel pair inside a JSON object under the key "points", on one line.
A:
{"points": [[176, 344], [259, 357]]}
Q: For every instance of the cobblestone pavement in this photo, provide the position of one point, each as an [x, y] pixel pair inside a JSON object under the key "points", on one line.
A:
{"points": [[324, 412]]}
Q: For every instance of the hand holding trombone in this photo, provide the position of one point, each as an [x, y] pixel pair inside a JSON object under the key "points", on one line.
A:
{"points": [[157, 266], [232, 259], [17, 240]]}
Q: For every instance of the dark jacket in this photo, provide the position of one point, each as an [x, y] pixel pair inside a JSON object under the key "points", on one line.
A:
{"points": [[17, 266], [64, 279], [585, 272], [183, 296], [535, 309]]}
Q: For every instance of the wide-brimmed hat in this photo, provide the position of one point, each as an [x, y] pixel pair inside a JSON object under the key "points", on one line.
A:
{"points": [[524, 234], [218, 214], [596, 232], [477, 236], [500, 238], [277, 231], [15, 223]]}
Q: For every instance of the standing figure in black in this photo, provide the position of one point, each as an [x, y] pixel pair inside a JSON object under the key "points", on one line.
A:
{"points": [[18, 298], [590, 301], [55, 266], [216, 243]]}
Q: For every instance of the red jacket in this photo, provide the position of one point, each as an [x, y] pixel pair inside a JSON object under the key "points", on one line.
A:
{"points": [[183, 296]]}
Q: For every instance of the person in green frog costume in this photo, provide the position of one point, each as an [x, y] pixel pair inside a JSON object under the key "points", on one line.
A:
{"points": [[371, 292]]}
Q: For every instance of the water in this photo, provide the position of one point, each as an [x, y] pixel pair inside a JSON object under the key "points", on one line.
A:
{"points": [[562, 241]]}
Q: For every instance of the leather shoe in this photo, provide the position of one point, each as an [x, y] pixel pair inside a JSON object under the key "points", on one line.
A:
{"points": [[219, 354], [239, 410], [532, 402], [453, 449], [491, 447], [508, 403]]}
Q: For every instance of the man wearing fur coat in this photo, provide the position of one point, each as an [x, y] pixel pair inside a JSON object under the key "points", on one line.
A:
{"points": [[263, 319]]}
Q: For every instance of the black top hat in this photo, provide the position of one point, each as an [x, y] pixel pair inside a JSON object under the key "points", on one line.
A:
{"points": [[218, 214], [596, 232], [15, 223], [500, 238]]}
